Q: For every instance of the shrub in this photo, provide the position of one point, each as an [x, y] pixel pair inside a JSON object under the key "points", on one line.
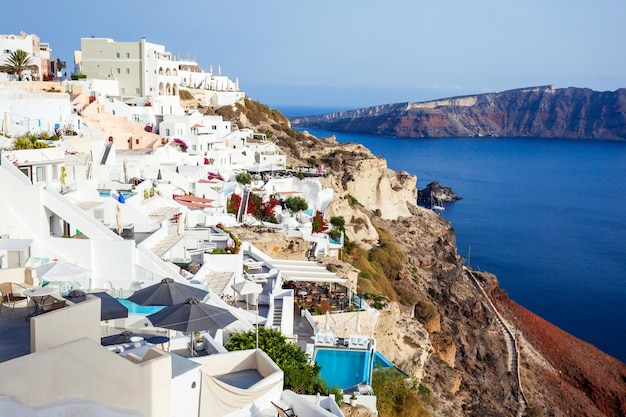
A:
{"points": [[244, 178], [352, 200], [233, 203], [394, 396], [296, 203], [318, 222], [338, 221]]}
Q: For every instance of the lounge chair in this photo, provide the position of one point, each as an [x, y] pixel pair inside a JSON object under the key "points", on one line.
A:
{"points": [[11, 297], [284, 412]]}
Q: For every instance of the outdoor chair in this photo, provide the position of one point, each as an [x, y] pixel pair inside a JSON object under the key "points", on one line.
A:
{"points": [[284, 412], [11, 298]]}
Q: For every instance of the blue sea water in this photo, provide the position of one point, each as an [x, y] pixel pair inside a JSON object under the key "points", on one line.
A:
{"points": [[547, 216]]}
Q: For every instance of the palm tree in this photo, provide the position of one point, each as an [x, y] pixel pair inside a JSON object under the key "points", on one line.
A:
{"points": [[18, 62]]}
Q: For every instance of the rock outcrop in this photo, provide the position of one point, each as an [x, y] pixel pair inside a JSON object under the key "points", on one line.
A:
{"points": [[545, 112], [434, 193]]}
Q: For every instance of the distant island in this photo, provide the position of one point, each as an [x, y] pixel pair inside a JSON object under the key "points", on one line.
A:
{"points": [[540, 112]]}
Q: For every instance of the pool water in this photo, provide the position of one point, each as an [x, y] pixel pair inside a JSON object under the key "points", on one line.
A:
{"points": [[137, 309], [126, 194], [343, 367], [381, 362]]}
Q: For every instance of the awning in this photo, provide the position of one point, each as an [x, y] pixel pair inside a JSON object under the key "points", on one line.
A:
{"points": [[305, 271]]}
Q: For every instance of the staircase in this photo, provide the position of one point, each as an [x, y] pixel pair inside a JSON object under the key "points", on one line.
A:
{"points": [[278, 313]]}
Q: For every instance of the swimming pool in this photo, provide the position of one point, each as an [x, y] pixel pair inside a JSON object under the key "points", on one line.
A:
{"points": [[137, 309], [344, 368], [381, 362]]}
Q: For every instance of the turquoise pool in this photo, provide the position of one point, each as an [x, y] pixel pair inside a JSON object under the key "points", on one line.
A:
{"points": [[381, 362], [137, 309], [345, 368]]}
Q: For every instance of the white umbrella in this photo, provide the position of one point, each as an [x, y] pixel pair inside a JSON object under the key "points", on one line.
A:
{"points": [[125, 171], [62, 272], [247, 287], [180, 230], [118, 219]]}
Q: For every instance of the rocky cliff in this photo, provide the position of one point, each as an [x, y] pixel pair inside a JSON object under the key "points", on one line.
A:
{"points": [[544, 112], [471, 349]]}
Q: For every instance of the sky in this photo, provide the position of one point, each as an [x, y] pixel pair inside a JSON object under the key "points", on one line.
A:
{"points": [[357, 53]]}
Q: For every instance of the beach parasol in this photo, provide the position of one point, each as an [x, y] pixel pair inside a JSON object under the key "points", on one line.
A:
{"points": [[247, 287], [166, 293], [62, 272]]}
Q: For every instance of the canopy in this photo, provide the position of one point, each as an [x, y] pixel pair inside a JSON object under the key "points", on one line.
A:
{"points": [[191, 316], [53, 271], [247, 287], [292, 270], [110, 308], [166, 293]]}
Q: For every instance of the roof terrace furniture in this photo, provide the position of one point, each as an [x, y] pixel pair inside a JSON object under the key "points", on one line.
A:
{"points": [[12, 294], [284, 412]]}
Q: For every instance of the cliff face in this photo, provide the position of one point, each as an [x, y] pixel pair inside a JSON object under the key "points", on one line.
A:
{"points": [[531, 112], [451, 340]]}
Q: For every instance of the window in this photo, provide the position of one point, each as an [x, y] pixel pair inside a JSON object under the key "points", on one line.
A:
{"points": [[127, 70], [55, 172], [119, 71], [214, 127], [137, 91], [123, 90], [167, 132], [6, 51], [117, 55], [127, 54], [41, 174], [193, 147], [136, 118]]}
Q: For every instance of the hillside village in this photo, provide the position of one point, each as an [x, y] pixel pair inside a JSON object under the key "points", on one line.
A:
{"points": [[110, 187], [152, 214]]}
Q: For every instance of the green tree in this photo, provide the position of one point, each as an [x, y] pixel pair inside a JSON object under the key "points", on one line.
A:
{"points": [[300, 376], [296, 203], [18, 62], [243, 178]]}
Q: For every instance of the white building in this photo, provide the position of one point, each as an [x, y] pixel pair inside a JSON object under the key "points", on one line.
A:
{"points": [[38, 52]]}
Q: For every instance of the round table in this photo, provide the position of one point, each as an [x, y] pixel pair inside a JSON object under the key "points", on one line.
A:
{"points": [[158, 340], [39, 295]]}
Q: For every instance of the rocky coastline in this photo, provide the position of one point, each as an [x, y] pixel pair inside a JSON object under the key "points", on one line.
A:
{"points": [[453, 330], [539, 112]]}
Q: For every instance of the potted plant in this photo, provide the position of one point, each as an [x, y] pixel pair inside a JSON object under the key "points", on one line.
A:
{"points": [[198, 341], [353, 399]]}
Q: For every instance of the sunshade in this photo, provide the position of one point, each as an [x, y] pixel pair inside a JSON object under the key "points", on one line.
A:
{"points": [[247, 287], [192, 316], [110, 308], [54, 271], [166, 293]]}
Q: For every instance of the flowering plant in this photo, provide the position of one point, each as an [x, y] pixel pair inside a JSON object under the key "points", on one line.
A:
{"points": [[180, 143]]}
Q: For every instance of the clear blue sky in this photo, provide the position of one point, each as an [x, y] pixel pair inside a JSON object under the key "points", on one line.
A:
{"points": [[357, 53]]}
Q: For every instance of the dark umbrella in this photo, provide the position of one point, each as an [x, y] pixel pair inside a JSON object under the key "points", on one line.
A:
{"points": [[124, 337], [191, 316], [166, 293], [110, 308]]}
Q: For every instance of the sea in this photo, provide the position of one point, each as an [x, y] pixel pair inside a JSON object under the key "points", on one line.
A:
{"points": [[547, 216]]}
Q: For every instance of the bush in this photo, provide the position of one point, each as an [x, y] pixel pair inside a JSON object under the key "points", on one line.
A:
{"points": [[296, 204], [244, 178], [78, 77], [394, 396]]}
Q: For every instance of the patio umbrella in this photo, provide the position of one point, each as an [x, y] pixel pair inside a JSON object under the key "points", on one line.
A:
{"points": [[110, 307], [124, 337], [247, 287], [62, 272], [191, 316], [166, 293], [118, 219]]}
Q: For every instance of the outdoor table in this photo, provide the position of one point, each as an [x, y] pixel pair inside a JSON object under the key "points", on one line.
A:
{"points": [[39, 295], [158, 340]]}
